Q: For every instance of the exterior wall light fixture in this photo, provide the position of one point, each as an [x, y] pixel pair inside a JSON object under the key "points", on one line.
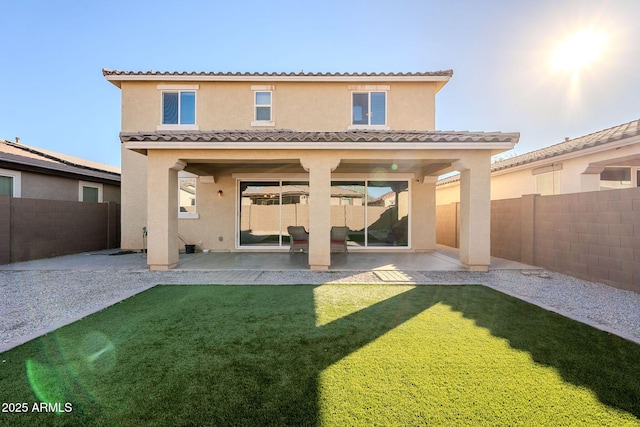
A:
{"points": [[220, 193]]}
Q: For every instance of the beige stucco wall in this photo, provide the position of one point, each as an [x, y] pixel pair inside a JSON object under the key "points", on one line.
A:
{"points": [[448, 193], [317, 106], [134, 199], [214, 228]]}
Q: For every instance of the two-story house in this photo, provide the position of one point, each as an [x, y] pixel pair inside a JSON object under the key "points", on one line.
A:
{"points": [[227, 161]]}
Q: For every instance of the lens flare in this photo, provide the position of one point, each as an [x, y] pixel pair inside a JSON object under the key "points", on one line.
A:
{"points": [[99, 352], [379, 174], [579, 51], [47, 382]]}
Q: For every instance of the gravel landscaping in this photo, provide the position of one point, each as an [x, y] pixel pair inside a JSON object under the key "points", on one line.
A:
{"points": [[36, 302]]}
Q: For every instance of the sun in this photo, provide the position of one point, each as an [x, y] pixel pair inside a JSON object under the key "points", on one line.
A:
{"points": [[579, 51]]}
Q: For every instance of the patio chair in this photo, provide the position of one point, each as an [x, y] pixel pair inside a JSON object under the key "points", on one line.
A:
{"points": [[339, 239], [298, 239]]}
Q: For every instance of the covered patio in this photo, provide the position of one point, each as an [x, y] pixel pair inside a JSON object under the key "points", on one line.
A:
{"points": [[234, 165]]}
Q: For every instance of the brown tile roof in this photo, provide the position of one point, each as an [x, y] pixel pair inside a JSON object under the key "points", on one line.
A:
{"points": [[603, 137], [107, 72], [296, 136]]}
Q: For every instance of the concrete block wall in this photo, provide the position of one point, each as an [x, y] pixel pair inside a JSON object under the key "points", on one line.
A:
{"points": [[593, 236], [5, 229], [37, 228], [505, 228]]}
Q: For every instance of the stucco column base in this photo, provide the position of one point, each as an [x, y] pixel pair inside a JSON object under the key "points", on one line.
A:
{"points": [[480, 268], [162, 267]]}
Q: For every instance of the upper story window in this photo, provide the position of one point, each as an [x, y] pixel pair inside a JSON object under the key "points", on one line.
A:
{"points": [[369, 109], [262, 105], [178, 107]]}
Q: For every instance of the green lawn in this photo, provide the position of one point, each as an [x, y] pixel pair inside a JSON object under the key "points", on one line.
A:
{"points": [[325, 355]]}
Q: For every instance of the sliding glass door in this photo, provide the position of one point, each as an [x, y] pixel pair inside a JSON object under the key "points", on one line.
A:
{"points": [[348, 202], [267, 208], [387, 213], [376, 212]]}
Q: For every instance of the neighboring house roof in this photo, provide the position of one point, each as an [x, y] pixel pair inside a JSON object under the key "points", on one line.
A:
{"points": [[295, 136], [597, 139], [606, 136], [18, 156], [116, 76]]}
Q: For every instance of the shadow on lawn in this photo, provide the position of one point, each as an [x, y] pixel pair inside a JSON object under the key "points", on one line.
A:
{"points": [[253, 355], [604, 363], [242, 355]]}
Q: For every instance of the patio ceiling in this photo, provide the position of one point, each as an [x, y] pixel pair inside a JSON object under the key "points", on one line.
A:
{"points": [[422, 167]]}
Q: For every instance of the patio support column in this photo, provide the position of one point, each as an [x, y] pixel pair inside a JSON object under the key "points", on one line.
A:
{"points": [[423, 214], [475, 210], [162, 211], [319, 168]]}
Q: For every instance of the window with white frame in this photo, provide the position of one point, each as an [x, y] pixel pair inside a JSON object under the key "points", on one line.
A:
{"points": [[263, 106], [369, 108], [187, 188], [90, 192], [10, 183], [179, 108]]}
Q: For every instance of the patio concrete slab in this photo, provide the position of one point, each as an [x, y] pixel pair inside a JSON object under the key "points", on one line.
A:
{"points": [[444, 259]]}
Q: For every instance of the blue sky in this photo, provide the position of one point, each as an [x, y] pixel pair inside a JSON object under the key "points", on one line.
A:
{"points": [[55, 97]]}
